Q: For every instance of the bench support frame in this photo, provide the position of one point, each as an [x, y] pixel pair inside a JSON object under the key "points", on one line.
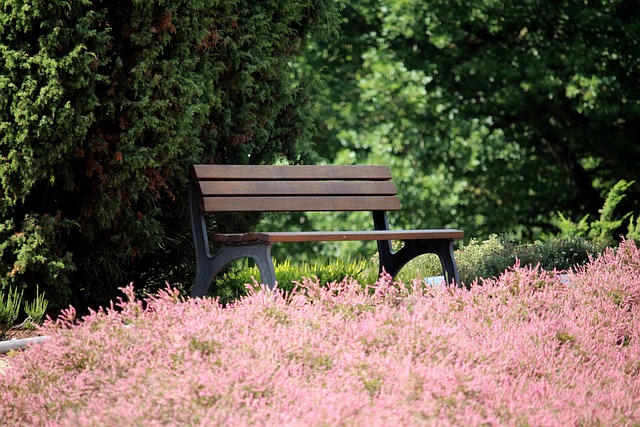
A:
{"points": [[208, 265], [392, 261]]}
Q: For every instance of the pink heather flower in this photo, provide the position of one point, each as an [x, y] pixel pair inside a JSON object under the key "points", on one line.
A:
{"points": [[527, 348]]}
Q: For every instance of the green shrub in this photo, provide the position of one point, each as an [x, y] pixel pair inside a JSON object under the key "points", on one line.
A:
{"points": [[476, 260], [489, 258], [34, 252], [558, 253], [9, 310], [608, 228], [10, 303], [233, 284], [35, 310]]}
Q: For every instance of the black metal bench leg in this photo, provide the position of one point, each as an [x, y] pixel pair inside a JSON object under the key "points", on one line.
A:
{"points": [[448, 262], [392, 262], [261, 253], [205, 271], [208, 267]]}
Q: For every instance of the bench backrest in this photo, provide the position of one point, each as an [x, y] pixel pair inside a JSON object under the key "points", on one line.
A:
{"points": [[235, 188]]}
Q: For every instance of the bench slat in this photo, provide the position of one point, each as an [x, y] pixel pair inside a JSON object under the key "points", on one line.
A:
{"points": [[289, 172], [320, 236], [299, 204], [287, 188]]}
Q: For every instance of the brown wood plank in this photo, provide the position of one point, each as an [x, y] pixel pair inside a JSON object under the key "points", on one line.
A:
{"points": [[293, 172], [320, 236], [291, 188], [299, 204]]}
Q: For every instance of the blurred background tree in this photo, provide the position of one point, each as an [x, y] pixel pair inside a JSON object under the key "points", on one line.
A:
{"points": [[493, 115]]}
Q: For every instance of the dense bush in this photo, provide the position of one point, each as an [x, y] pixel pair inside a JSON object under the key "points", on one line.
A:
{"points": [[554, 254], [490, 258], [236, 282], [524, 349], [103, 107], [476, 261]]}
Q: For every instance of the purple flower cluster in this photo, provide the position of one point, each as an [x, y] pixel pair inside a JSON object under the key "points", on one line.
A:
{"points": [[528, 348]]}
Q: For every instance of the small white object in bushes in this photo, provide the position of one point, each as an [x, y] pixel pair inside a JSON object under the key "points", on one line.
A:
{"points": [[434, 280]]}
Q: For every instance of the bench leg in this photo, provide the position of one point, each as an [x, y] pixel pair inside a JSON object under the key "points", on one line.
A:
{"points": [[393, 262], [208, 267], [261, 253]]}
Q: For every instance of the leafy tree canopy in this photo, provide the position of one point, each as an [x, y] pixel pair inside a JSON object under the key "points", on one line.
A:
{"points": [[494, 115]]}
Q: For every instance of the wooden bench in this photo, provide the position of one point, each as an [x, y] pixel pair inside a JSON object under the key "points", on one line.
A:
{"points": [[235, 188]]}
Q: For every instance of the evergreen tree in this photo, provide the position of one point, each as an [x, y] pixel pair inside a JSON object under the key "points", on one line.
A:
{"points": [[104, 105]]}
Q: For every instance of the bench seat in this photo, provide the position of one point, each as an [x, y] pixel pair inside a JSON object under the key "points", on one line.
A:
{"points": [[334, 236]]}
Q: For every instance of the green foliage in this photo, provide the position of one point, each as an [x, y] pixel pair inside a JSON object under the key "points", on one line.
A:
{"points": [[103, 108], [476, 260], [633, 232], [9, 309], [491, 257], [34, 251], [606, 229], [36, 309], [561, 253], [233, 284], [493, 115]]}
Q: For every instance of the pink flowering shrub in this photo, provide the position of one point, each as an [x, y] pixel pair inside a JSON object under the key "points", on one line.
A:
{"points": [[529, 348]]}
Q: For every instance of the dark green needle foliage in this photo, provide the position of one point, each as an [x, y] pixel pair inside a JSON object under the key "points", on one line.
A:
{"points": [[103, 108]]}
